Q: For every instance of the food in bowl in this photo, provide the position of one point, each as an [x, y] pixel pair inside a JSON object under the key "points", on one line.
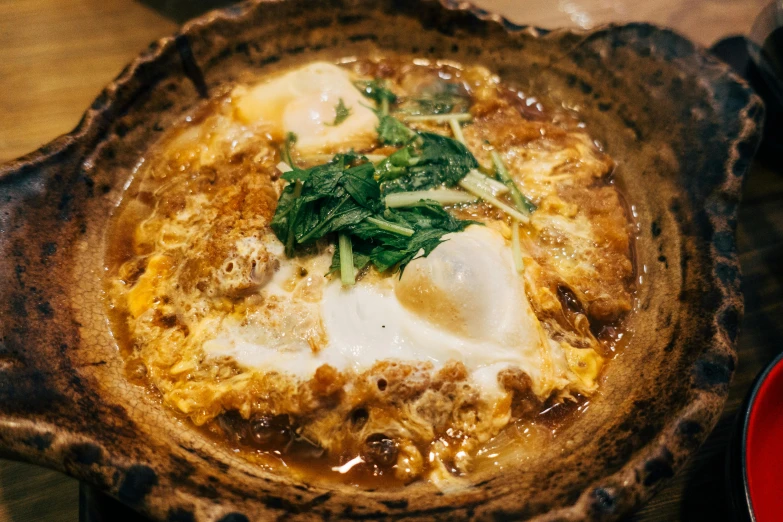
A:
{"points": [[372, 270]]}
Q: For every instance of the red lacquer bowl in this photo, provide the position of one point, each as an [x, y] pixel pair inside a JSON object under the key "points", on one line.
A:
{"points": [[760, 499]]}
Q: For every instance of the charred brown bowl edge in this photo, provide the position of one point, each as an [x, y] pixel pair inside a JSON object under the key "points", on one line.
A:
{"points": [[682, 128]]}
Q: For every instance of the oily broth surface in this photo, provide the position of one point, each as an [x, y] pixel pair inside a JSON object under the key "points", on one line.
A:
{"points": [[499, 111]]}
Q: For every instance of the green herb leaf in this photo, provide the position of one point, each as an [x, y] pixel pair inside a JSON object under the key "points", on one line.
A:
{"points": [[286, 214], [437, 98], [330, 198], [392, 131], [331, 215], [360, 183], [341, 113], [437, 105], [427, 215], [376, 91], [420, 244], [295, 174], [430, 223], [345, 197], [432, 160]]}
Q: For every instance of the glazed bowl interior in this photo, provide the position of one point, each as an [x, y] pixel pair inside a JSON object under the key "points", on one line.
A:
{"points": [[681, 129]]}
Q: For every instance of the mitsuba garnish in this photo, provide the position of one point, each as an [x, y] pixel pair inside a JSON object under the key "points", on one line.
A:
{"points": [[347, 194], [483, 258]]}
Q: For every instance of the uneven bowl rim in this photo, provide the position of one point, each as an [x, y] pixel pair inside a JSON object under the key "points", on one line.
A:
{"points": [[158, 47], [103, 111]]}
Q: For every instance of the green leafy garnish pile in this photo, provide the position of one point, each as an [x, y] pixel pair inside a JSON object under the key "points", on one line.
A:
{"points": [[344, 199], [427, 161], [345, 196]]}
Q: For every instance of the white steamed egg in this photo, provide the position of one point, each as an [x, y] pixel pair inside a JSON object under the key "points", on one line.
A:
{"points": [[464, 302], [304, 102]]}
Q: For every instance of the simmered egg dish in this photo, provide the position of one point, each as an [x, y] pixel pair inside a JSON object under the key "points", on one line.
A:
{"points": [[377, 264]]}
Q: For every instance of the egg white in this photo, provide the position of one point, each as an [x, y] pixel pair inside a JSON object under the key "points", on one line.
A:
{"points": [[304, 102], [464, 302]]}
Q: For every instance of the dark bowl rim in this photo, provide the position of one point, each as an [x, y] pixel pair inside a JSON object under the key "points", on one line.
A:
{"points": [[158, 47]]}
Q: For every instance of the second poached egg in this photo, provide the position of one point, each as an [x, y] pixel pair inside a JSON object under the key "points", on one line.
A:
{"points": [[464, 302]]}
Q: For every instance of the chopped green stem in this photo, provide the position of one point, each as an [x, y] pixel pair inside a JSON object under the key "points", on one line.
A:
{"points": [[375, 158], [290, 139], [492, 185], [289, 243], [516, 248], [522, 203], [347, 275], [394, 172], [390, 227], [472, 187], [384, 106], [284, 167], [442, 196], [487, 170], [457, 130], [438, 118]]}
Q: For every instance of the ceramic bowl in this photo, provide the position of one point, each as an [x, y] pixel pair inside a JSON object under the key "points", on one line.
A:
{"points": [[682, 128]]}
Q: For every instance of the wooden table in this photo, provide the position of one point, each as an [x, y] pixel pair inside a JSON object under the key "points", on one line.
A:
{"points": [[56, 55]]}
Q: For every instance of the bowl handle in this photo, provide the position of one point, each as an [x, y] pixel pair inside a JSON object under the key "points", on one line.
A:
{"points": [[42, 200], [41, 396]]}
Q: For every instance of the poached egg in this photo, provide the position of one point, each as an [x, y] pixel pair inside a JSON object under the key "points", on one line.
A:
{"points": [[464, 302], [304, 102]]}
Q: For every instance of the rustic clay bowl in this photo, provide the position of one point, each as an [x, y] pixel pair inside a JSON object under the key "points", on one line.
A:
{"points": [[681, 127]]}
